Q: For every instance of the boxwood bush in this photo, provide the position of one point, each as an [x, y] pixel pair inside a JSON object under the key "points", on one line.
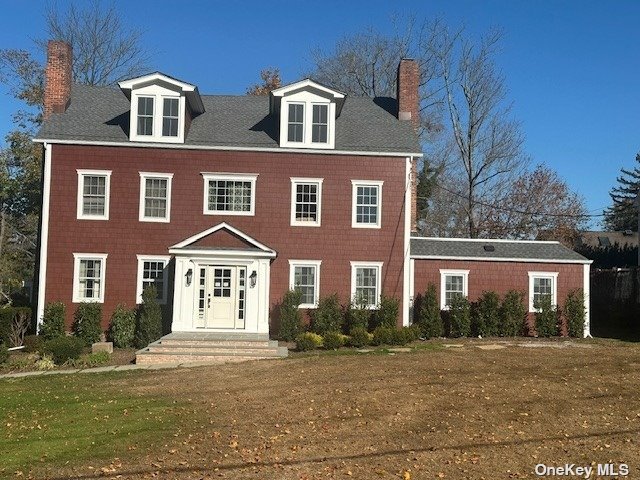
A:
{"points": [[122, 328], [308, 341], [290, 316], [333, 340], [62, 349], [86, 322], [383, 336], [358, 337]]}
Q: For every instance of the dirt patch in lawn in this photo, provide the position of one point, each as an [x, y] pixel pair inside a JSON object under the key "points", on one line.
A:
{"points": [[458, 413]]}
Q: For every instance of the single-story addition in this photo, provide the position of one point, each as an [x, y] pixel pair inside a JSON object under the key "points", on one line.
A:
{"points": [[472, 266]]}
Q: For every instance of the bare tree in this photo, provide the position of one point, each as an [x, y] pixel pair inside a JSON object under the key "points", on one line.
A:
{"points": [[104, 50]]}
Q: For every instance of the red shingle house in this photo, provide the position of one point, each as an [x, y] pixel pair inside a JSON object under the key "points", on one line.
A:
{"points": [[226, 202]]}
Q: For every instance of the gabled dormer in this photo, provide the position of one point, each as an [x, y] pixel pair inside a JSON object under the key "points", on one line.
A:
{"points": [[161, 108], [307, 113]]}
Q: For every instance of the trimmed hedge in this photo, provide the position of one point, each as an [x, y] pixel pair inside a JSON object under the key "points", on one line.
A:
{"points": [[333, 340], [308, 341], [62, 349], [359, 337], [327, 317], [86, 322], [387, 313], [53, 321], [122, 329]]}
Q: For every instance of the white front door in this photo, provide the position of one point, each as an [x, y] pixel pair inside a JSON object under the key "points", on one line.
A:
{"points": [[221, 296]]}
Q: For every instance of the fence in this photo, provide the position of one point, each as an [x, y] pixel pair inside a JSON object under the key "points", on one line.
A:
{"points": [[615, 303]]}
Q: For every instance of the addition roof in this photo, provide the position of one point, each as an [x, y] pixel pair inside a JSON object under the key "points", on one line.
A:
{"points": [[101, 115], [504, 250]]}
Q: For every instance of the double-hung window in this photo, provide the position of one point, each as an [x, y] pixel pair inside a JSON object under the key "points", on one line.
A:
{"points": [[170, 117], [152, 270], [365, 283], [145, 115], [306, 201], [296, 122], [304, 275], [88, 277], [93, 194], [320, 124], [155, 197], [229, 194], [453, 283], [542, 285], [366, 204]]}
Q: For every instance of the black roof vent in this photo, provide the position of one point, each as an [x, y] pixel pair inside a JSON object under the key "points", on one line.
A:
{"points": [[489, 248], [604, 241]]}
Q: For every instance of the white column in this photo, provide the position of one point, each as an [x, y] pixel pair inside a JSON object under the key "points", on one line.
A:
{"points": [[586, 283], [44, 235]]}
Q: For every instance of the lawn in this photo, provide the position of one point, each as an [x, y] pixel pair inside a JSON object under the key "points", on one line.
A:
{"points": [[458, 413]]}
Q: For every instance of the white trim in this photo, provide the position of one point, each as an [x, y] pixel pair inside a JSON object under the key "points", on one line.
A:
{"points": [[243, 177], [554, 287], [302, 84], [165, 280], [132, 83], [316, 280], [307, 99], [586, 290], [484, 240], [77, 257], [143, 192], [209, 231], [499, 259], [408, 264], [80, 193], [354, 195], [443, 284], [222, 253], [44, 235], [363, 264], [294, 182], [227, 148]]}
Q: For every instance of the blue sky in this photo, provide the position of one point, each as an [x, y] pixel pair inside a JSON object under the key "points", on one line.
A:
{"points": [[572, 67]]}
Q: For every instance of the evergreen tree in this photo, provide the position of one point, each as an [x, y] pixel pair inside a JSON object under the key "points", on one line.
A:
{"points": [[623, 214]]}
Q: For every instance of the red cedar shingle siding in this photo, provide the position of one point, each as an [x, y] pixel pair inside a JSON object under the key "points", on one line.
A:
{"points": [[499, 277], [122, 237]]}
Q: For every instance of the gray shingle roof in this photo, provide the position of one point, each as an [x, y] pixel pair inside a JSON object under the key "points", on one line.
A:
{"points": [[101, 114], [466, 249]]}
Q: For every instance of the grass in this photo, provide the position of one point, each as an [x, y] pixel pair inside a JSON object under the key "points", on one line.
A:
{"points": [[58, 419]]}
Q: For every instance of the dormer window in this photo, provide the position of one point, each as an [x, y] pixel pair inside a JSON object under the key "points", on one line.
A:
{"points": [[170, 117], [145, 115], [160, 108], [307, 112]]}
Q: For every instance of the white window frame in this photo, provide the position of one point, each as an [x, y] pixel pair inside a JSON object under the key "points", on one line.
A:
{"points": [[444, 273], [165, 288], [316, 287], [242, 177], [80, 194], [328, 123], [304, 123], [77, 258], [554, 287], [144, 176], [158, 94], [295, 181], [163, 116], [378, 266], [308, 99], [354, 197]]}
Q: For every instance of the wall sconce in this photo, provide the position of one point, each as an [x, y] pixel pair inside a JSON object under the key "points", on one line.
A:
{"points": [[253, 278], [189, 276]]}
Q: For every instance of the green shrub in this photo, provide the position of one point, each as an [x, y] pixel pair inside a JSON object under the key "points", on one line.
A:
{"points": [[149, 321], [62, 349], [6, 318], [401, 336], [382, 336], [96, 359], [333, 340], [387, 313], [513, 314], [459, 317], [546, 317], [122, 329], [53, 321], [485, 315], [429, 316], [290, 316], [32, 343], [327, 317], [86, 322], [575, 313], [45, 363], [4, 353], [415, 332], [359, 314], [358, 337], [308, 341]]}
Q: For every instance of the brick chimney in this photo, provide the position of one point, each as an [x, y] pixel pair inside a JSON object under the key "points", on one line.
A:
{"points": [[409, 110], [58, 77]]}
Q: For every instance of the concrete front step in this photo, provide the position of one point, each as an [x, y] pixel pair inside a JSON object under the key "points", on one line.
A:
{"points": [[185, 347]]}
